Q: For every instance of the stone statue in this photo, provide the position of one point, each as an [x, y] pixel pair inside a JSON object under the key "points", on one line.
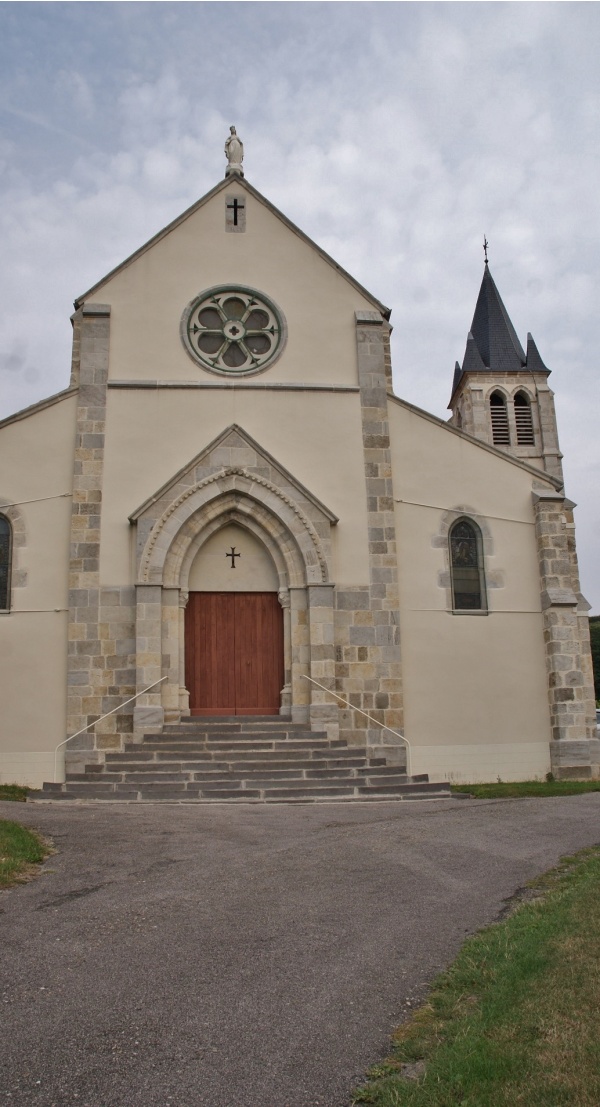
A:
{"points": [[234, 149]]}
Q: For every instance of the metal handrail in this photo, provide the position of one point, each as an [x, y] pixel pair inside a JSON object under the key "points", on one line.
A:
{"points": [[84, 728], [370, 718]]}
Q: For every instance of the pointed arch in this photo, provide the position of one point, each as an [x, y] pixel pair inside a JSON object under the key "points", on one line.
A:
{"points": [[523, 419], [253, 498], [467, 566], [499, 418]]}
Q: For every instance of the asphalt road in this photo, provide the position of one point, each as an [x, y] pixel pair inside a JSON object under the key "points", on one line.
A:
{"points": [[175, 956]]}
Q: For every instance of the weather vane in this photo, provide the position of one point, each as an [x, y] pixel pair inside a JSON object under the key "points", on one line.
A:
{"points": [[485, 248]]}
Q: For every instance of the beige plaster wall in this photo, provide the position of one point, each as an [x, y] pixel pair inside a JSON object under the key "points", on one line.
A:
{"points": [[476, 701], [151, 435], [212, 570], [148, 297], [36, 459]]}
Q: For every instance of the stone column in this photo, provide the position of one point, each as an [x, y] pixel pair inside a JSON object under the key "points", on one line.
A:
{"points": [[323, 706], [169, 649], [300, 654], [184, 695], [376, 630], [574, 747], [148, 714], [86, 673], [286, 692]]}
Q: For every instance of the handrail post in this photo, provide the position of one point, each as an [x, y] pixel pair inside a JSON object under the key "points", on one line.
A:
{"points": [[370, 718], [84, 728]]}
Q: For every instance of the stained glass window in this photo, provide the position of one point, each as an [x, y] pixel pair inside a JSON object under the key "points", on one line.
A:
{"points": [[5, 536], [466, 566]]}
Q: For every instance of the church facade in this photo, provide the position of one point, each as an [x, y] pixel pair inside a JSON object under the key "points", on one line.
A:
{"points": [[230, 507]]}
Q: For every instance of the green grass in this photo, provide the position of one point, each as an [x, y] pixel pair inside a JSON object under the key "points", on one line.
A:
{"points": [[20, 850], [500, 790], [14, 792], [516, 1018]]}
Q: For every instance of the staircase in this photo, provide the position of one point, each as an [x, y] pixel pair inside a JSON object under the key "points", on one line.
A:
{"points": [[235, 759]]}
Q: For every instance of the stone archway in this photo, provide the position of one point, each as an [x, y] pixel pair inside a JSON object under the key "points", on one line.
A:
{"points": [[305, 593]]}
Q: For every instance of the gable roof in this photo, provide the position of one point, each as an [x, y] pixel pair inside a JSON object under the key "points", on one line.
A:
{"points": [[239, 182]]}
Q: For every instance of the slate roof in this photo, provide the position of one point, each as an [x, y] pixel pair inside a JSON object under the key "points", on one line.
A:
{"points": [[492, 343]]}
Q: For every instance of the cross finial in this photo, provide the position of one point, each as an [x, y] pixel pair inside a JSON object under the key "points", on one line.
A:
{"points": [[485, 249]]}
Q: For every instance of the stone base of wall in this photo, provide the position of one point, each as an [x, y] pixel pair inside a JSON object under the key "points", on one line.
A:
{"points": [[575, 760]]}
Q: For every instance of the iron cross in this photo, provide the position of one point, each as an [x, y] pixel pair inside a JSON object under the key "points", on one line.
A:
{"points": [[233, 556], [235, 207]]}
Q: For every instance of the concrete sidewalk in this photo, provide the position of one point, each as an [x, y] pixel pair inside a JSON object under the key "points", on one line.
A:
{"points": [[219, 956]]}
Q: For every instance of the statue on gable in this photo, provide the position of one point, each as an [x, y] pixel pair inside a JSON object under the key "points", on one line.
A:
{"points": [[234, 150]]}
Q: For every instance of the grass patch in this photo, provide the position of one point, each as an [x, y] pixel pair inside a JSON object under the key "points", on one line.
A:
{"points": [[528, 788], [516, 1019], [14, 792], [20, 850]]}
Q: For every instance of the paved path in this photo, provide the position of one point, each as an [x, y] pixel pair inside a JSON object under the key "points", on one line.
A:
{"points": [[246, 957]]}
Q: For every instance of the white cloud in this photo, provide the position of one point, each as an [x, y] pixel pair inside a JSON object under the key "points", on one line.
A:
{"points": [[394, 134]]}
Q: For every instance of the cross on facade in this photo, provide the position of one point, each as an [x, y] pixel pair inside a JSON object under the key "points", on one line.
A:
{"points": [[233, 556], [236, 206]]}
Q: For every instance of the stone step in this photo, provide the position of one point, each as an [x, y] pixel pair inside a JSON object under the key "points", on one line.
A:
{"points": [[260, 742], [224, 776], [241, 760], [281, 752]]}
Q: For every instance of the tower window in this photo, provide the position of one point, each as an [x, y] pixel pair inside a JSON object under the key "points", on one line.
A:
{"points": [[466, 567], [499, 417], [523, 420], [5, 552]]}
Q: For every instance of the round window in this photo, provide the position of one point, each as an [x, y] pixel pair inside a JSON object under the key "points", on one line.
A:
{"points": [[233, 330]]}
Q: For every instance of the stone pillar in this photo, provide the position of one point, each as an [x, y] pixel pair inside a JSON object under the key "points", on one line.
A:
{"points": [[184, 695], [300, 654], [286, 692], [376, 629], [148, 714], [323, 706], [574, 747], [169, 649], [86, 672], [549, 447]]}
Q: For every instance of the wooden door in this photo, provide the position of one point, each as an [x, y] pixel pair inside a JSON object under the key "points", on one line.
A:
{"points": [[234, 653]]}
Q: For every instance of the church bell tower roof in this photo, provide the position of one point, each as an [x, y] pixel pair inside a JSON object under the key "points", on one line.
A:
{"points": [[493, 333], [492, 342]]}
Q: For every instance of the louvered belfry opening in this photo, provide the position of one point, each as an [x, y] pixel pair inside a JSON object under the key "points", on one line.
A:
{"points": [[499, 416], [523, 420]]}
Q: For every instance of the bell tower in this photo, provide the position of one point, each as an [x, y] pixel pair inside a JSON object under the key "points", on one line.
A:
{"points": [[500, 394]]}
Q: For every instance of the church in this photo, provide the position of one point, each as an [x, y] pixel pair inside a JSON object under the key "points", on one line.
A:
{"points": [[228, 512]]}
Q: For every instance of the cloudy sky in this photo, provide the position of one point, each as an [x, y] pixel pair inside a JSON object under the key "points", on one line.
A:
{"points": [[394, 134]]}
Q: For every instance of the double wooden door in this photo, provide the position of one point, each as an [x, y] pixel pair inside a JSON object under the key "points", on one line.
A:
{"points": [[234, 653]]}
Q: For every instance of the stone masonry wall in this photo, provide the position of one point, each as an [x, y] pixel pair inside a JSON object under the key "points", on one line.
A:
{"points": [[574, 747], [367, 631], [100, 672]]}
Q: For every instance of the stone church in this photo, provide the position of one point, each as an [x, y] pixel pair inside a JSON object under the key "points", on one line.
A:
{"points": [[230, 507]]}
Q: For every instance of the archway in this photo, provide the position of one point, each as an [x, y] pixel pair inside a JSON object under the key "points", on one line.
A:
{"points": [[165, 558]]}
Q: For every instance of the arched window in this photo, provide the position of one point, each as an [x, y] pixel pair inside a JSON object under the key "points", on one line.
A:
{"points": [[523, 420], [499, 417], [5, 552], [466, 567]]}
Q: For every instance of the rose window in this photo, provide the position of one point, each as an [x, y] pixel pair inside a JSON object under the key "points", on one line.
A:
{"points": [[233, 330]]}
